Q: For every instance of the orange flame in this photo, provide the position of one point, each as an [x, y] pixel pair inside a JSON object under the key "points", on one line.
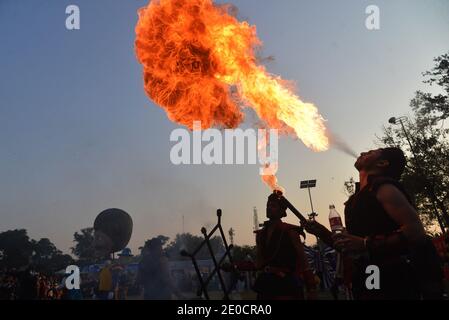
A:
{"points": [[199, 65], [271, 181]]}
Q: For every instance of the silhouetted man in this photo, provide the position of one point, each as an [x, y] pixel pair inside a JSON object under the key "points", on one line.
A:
{"points": [[383, 229], [281, 257], [154, 273]]}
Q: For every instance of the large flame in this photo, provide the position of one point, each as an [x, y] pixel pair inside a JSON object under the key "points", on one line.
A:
{"points": [[272, 182], [200, 65]]}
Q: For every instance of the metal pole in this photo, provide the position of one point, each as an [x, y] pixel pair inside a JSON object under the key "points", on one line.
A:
{"points": [[408, 138], [310, 197]]}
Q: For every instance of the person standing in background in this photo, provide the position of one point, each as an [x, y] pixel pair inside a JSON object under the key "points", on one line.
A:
{"points": [[105, 282]]}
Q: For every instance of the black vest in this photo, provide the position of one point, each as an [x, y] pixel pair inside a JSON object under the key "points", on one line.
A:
{"points": [[364, 214]]}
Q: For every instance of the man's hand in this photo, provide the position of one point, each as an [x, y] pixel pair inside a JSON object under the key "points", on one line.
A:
{"points": [[314, 227], [318, 230], [347, 243]]}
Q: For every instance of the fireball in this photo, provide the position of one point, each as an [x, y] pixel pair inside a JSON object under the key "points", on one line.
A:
{"points": [[199, 64]]}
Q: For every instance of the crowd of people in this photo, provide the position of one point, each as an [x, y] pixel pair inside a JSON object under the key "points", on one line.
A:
{"points": [[27, 284], [153, 279], [112, 282]]}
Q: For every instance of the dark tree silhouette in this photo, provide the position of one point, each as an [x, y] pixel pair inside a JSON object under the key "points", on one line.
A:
{"points": [[189, 243], [16, 249], [84, 248], [427, 147], [242, 253], [47, 258]]}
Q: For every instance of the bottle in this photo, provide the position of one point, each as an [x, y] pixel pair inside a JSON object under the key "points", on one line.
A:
{"points": [[335, 220]]}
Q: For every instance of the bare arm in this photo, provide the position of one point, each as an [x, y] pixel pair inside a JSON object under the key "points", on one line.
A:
{"points": [[410, 232], [401, 211], [320, 231]]}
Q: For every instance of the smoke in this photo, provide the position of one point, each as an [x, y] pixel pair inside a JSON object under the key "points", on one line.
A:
{"points": [[338, 143]]}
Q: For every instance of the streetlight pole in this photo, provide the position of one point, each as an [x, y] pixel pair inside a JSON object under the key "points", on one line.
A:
{"points": [[310, 197], [394, 121], [309, 184]]}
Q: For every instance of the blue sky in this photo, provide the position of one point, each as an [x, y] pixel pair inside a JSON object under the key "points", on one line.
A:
{"points": [[78, 134]]}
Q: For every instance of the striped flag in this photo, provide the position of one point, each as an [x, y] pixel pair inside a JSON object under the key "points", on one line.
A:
{"points": [[323, 260]]}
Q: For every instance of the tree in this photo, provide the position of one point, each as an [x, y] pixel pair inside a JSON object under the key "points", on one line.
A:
{"points": [[436, 105], [425, 142], [163, 239], [84, 248], [16, 249], [189, 243], [47, 258], [242, 253]]}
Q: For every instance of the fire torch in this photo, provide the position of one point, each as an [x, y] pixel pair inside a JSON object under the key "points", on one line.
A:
{"points": [[287, 203]]}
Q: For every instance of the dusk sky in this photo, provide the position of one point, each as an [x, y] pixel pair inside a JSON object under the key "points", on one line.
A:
{"points": [[78, 134]]}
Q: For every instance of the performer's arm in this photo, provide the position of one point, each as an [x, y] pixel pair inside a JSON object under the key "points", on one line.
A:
{"points": [[401, 211], [410, 232], [320, 231]]}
